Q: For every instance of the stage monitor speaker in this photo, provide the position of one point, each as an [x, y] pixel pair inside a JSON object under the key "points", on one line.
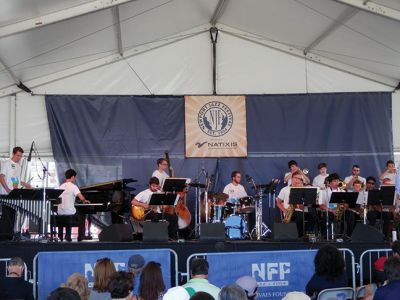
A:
{"points": [[284, 232], [155, 232], [116, 233], [212, 232], [366, 234]]}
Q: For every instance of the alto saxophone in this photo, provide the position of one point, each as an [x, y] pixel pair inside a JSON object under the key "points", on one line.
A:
{"points": [[339, 213], [289, 214]]}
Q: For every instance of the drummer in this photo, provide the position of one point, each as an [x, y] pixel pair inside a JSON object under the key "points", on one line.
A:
{"points": [[235, 190]]}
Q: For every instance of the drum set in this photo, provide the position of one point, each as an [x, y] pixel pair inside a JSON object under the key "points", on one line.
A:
{"points": [[234, 213]]}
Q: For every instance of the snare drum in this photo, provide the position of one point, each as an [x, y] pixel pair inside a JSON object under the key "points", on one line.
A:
{"points": [[246, 205], [236, 227]]}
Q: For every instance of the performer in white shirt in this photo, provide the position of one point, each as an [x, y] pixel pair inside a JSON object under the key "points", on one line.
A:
{"points": [[293, 167], [143, 199], [162, 169], [355, 175], [10, 173], [67, 206], [389, 172], [282, 202], [235, 190], [319, 180]]}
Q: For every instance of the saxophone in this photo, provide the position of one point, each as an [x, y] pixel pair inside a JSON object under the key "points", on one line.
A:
{"points": [[339, 213], [289, 214]]}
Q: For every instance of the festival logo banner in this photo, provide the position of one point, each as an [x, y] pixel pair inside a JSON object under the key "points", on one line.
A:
{"points": [[215, 126]]}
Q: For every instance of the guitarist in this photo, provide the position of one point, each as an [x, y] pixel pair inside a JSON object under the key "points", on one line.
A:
{"points": [[142, 200], [162, 169]]}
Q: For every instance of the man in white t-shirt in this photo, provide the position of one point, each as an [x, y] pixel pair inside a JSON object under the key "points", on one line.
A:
{"points": [[10, 173], [142, 200], [235, 190], [355, 175], [67, 206], [161, 172], [319, 180]]}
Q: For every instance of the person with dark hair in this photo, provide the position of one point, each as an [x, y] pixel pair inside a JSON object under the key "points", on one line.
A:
{"points": [[199, 278], [64, 293], [329, 271], [10, 173], [355, 175], [141, 203], [152, 285], [234, 189], [202, 296], [14, 286], [319, 180], [103, 270], [390, 291], [232, 292], [378, 273], [389, 172], [294, 167], [121, 286], [67, 206], [161, 171]]}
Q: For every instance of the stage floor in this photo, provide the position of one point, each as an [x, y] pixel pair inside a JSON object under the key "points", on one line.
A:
{"points": [[28, 249]]}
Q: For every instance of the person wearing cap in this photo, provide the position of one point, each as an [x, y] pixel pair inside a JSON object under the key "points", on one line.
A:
{"points": [[390, 291], [250, 286], [135, 265], [14, 286], [199, 278]]}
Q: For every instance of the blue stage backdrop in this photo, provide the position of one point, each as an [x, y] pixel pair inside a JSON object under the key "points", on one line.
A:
{"points": [[55, 267], [109, 137], [276, 272]]}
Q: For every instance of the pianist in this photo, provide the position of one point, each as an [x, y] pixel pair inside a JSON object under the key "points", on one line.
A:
{"points": [[10, 173], [67, 206]]}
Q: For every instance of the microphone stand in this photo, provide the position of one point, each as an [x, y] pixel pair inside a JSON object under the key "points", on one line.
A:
{"points": [[197, 211]]}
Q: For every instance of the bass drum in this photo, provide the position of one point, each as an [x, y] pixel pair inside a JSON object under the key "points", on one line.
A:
{"points": [[236, 227]]}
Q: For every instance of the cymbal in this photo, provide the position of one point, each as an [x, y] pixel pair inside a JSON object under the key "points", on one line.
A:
{"points": [[197, 185], [218, 196]]}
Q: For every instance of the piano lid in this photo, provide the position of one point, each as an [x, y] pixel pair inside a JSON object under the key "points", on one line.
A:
{"points": [[119, 184]]}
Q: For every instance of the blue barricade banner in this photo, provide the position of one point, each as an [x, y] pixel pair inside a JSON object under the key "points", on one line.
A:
{"points": [[277, 272], [55, 267]]}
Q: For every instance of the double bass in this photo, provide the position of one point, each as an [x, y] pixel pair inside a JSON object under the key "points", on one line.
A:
{"points": [[181, 210]]}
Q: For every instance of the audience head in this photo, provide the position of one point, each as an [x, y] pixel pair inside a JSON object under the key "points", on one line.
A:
{"points": [[78, 283], [136, 263], [249, 285], [15, 267], [151, 281], [392, 268], [201, 296], [199, 268], [121, 285], [232, 292], [64, 293], [296, 296], [103, 270], [176, 293], [329, 262]]}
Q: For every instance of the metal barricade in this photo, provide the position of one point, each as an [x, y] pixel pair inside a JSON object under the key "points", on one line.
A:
{"points": [[367, 258]]}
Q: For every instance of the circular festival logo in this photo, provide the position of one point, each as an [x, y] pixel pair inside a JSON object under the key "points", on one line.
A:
{"points": [[215, 118]]}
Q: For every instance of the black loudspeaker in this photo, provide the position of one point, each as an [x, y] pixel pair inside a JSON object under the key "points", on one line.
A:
{"points": [[367, 234], [284, 232], [155, 232], [212, 232], [7, 221], [116, 233]]}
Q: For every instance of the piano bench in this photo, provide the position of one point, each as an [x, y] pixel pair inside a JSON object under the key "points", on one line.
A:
{"points": [[66, 220]]}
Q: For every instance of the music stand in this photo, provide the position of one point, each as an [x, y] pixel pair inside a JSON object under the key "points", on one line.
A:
{"points": [[349, 198], [162, 199], [382, 197], [307, 196], [175, 185]]}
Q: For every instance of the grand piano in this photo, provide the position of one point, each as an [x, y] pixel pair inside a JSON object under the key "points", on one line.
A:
{"points": [[114, 196]]}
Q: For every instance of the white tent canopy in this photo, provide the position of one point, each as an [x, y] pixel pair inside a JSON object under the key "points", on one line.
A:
{"points": [[163, 47]]}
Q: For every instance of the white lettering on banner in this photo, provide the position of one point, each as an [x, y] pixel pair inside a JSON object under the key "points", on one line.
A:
{"points": [[271, 274]]}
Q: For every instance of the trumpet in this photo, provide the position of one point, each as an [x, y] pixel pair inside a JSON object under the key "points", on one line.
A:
{"points": [[305, 171], [342, 185]]}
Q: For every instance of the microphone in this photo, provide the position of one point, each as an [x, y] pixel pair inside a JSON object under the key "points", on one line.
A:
{"points": [[30, 152]]}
